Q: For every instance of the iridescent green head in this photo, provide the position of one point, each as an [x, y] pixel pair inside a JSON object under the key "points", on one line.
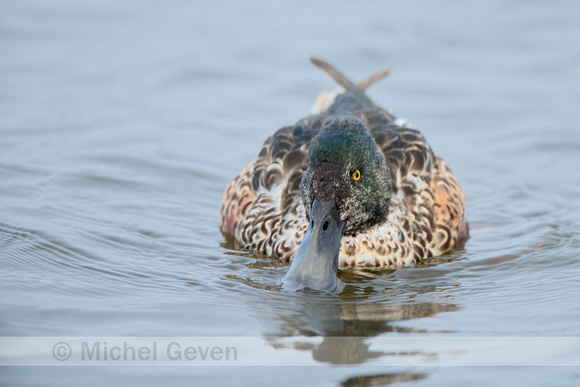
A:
{"points": [[345, 190], [345, 165]]}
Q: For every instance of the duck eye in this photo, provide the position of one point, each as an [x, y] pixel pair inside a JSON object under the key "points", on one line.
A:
{"points": [[356, 175]]}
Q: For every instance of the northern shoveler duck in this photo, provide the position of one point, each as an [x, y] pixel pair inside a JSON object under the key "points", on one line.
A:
{"points": [[345, 187]]}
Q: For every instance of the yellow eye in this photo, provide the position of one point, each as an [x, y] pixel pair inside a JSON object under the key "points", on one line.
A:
{"points": [[356, 175]]}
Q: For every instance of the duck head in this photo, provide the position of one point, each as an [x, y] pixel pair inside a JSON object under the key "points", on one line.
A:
{"points": [[345, 190]]}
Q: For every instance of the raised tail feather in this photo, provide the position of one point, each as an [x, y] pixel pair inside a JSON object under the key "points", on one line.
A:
{"points": [[347, 83]]}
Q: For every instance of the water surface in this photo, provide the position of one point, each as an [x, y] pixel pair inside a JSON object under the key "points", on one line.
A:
{"points": [[122, 124]]}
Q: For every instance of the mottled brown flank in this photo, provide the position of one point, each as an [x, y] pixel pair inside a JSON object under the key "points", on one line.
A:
{"points": [[262, 206]]}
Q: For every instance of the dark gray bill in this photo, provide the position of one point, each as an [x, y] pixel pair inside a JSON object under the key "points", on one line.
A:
{"points": [[316, 262]]}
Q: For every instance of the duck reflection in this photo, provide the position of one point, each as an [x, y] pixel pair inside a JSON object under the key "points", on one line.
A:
{"points": [[346, 329], [382, 379], [330, 318]]}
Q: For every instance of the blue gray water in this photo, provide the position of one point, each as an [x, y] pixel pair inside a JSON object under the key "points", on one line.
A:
{"points": [[121, 124]]}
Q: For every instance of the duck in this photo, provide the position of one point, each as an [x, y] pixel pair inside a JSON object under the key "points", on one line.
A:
{"points": [[346, 186]]}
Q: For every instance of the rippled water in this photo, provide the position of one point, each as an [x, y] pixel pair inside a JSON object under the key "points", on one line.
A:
{"points": [[122, 124]]}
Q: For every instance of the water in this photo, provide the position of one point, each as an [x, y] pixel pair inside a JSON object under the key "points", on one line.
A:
{"points": [[122, 124]]}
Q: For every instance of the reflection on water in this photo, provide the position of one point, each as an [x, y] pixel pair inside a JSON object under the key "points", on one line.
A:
{"points": [[345, 328], [347, 350], [123, 122], [334, 318], [382, 379]]}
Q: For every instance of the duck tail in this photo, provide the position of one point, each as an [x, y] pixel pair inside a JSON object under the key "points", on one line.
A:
{"points": [[374, 78], [347, 83]]}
